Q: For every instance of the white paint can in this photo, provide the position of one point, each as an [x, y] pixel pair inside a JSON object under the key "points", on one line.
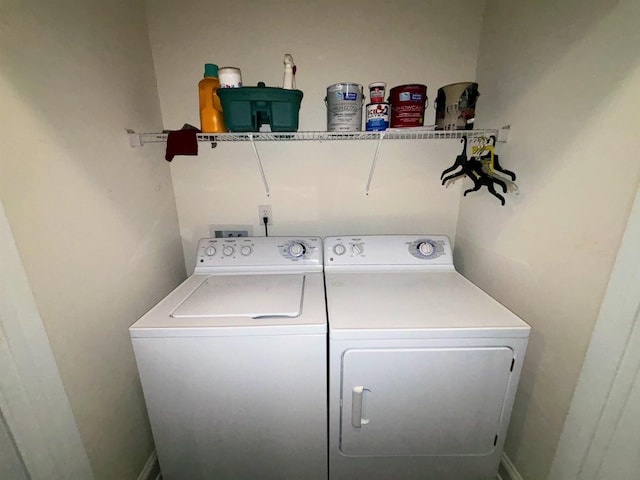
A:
{"points": [[377, 117], [230, 77], [344, 107]]}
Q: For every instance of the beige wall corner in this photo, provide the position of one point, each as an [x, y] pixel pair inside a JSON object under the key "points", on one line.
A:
{"points": [[94, 220], [566, 77]]}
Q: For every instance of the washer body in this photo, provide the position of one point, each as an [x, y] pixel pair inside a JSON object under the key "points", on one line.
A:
{"points": [[233, 363], [424, 366]]}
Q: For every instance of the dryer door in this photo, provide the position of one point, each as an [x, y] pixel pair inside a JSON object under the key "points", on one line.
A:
{"points": [[423, 401]]}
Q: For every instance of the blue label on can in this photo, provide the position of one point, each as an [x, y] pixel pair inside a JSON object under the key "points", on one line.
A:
{"points": [[376, 124], [404, 96], [416, 97], [350, 96]]}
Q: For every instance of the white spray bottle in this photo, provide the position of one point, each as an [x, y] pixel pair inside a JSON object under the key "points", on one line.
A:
{"points": [[289, 80]]}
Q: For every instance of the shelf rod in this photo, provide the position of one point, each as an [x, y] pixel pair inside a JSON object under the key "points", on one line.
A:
{"points": [[264, 177], [375, 161]]}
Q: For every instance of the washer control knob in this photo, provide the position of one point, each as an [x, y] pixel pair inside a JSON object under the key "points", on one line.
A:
{"points": [[339, 249], [210, 251], [228, 250], [426, 249], [296, 250], [245, 250], [357, 249]]}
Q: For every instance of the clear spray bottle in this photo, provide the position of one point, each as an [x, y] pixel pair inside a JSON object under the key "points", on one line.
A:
{"points": [[289, 80]]}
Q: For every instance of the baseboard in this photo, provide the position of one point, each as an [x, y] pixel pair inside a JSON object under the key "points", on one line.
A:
{"points": [[508, 470], [151, 470]]}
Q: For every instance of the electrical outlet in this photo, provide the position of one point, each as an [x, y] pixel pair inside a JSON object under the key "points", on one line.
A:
{"points": [[265, 211]]}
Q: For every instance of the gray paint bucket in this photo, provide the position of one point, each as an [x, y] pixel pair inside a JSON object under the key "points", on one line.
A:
{"points": [[456, 106], [344, 107]]}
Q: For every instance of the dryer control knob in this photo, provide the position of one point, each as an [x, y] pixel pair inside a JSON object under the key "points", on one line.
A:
{"points": [[426, 248], [357, 249], [245, 250], [228, 250], [339, 249], [296, 250], [210, 251]]}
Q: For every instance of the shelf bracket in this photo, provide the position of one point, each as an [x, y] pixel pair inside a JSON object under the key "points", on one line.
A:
{"points": [[134, 138], [375, 161], [264, 177], [503, 134]]}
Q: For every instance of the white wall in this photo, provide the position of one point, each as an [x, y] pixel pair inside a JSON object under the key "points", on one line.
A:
{"points": [[33, 401], [316, 188], [94, 220], [566, 76], [10, 464]]}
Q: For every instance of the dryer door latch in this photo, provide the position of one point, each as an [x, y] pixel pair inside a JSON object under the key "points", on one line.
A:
{"points": [[357, 396]]}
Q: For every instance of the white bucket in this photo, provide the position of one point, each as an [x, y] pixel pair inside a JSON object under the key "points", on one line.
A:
{"points": [[230, 77], [344, 107]]}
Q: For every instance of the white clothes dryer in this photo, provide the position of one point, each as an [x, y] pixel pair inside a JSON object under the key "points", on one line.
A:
{"points": [[423, 365], [233, 363]]}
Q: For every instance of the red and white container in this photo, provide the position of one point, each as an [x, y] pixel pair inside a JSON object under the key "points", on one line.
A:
{"points": [[376, 92], [407, 105]]}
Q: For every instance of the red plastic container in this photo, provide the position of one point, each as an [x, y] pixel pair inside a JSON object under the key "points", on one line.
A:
{"points": [[407, 105]]}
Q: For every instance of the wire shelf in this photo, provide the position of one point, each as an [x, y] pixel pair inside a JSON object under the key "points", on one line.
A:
{"points": [[424, 133], [390, 134]]}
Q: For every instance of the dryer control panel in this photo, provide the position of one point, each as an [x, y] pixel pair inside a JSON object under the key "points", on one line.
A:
{"points": [[388, 251], [259, 253]]}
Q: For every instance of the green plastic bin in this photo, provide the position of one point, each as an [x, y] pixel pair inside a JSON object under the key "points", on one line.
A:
{"points": [[245, 109]]}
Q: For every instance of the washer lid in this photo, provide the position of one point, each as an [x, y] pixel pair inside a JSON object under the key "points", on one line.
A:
{"points": [[259, 304], [255, 296]]}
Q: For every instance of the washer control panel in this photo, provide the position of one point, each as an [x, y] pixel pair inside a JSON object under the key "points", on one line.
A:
{"points": [[388, 250], [263, 253]]}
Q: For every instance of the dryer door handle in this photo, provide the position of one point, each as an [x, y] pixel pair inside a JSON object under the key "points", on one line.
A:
{"points": [[357, 396]]}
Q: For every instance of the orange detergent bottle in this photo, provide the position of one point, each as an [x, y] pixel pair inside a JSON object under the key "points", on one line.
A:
{"points": [[211, 119]]}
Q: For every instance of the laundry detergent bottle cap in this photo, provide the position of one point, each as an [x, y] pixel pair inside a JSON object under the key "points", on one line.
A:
{"points": [[211, 118], [210, 70]]}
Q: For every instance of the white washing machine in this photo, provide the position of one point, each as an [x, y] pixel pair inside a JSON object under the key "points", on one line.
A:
{"points": [[233, 363], [423, 365]]}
